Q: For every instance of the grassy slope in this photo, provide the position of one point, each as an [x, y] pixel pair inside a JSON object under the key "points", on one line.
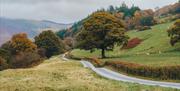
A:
{"points": [[56, 75], [156, 42]]}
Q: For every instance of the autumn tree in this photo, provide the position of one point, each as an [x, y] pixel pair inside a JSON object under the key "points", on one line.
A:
{"points": [[174, 32], [20, 43], [20, 52], [144, 18], [49, 41], [102, 31]]}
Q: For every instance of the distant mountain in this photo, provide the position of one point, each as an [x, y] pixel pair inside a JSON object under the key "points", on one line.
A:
{"points": [[8, 27]]}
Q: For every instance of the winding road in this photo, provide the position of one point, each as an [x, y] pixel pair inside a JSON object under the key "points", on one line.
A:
{"points": [[120, 77]]}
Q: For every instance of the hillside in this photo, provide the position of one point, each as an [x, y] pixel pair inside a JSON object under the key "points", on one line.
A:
{"points": [[8, 27], [57, 75], [155, 48], [169, 9]]}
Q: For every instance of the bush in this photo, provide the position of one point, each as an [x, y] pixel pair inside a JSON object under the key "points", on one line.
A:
{"points": [[132, 43], [26, 59], [147, 21], [42, 52], [3, 64], [5, 54], [70, 56], [164, 73], [96, 62], [142, 28], [174, 32]]}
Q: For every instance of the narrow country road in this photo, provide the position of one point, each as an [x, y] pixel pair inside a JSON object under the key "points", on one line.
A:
{"points": [[119, 77]]}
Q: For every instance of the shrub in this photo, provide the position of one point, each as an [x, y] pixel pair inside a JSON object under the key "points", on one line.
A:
{"points": [[26, 59], [142, 28], [95, 61], [147, 21], [3, 64], [174, 32], [70, 56], [68, 41], [164, 73], [42, 52], [5, 54], [132, 43]]}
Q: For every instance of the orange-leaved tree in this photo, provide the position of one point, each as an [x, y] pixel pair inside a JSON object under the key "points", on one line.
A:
{"points": [[21, 43]]}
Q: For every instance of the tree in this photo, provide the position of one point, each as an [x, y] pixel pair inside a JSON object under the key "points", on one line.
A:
{"points": [[124, 8], [147, 21], [50, 42], [61, 33], [174, 32], [20, 52], [102, 31], [133, 9], [111, 9], [20, 43]]}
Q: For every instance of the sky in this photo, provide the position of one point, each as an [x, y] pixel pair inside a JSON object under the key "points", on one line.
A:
{"points": [[66, 11]]}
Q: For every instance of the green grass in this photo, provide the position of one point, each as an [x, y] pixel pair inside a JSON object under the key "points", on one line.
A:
{"points": [[155, 42], [57, 75]]}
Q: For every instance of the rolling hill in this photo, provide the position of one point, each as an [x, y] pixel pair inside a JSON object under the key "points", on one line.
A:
{"points": [[154, 49], [8, 27]]}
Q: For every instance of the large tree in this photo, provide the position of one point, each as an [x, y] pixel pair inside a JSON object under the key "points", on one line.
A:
{"points": [[102, 31], [49, 41], [174, 32]]}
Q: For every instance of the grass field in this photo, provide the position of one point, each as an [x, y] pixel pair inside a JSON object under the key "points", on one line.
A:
{"points": [[155, 42], [56, 75]]}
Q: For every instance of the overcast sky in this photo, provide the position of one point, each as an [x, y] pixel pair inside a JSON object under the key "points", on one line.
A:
{"points": [[66, 11]]}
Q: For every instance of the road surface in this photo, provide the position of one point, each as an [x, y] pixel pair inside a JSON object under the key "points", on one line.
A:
{"points": [[120, 77]]}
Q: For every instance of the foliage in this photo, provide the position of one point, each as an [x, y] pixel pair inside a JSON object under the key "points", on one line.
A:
{"points": [[61, 33], [3, 64], [143, 18], [142, 28], [174, 32], [164, 73], [132, 43], [128, 12], [25, 59], [20, 43], [69, 44], [102, 31], [120, 12], [147, 21], [50, 42], [19, 52], [123, 8], [5, 54], [95, 61]]}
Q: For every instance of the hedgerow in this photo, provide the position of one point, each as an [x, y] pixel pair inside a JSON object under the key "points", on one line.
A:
{"points": [[163, 73]]}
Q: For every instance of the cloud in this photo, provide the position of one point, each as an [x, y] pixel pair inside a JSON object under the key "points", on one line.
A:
{"points": [[66, 11], [28, 1]]}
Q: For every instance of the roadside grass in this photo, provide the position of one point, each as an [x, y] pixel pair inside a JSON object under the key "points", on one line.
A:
{"points": [[57, 75], [155, 50]]}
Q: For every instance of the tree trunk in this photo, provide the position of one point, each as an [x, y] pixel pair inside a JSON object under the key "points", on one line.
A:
{"points": [[103, 53]]}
